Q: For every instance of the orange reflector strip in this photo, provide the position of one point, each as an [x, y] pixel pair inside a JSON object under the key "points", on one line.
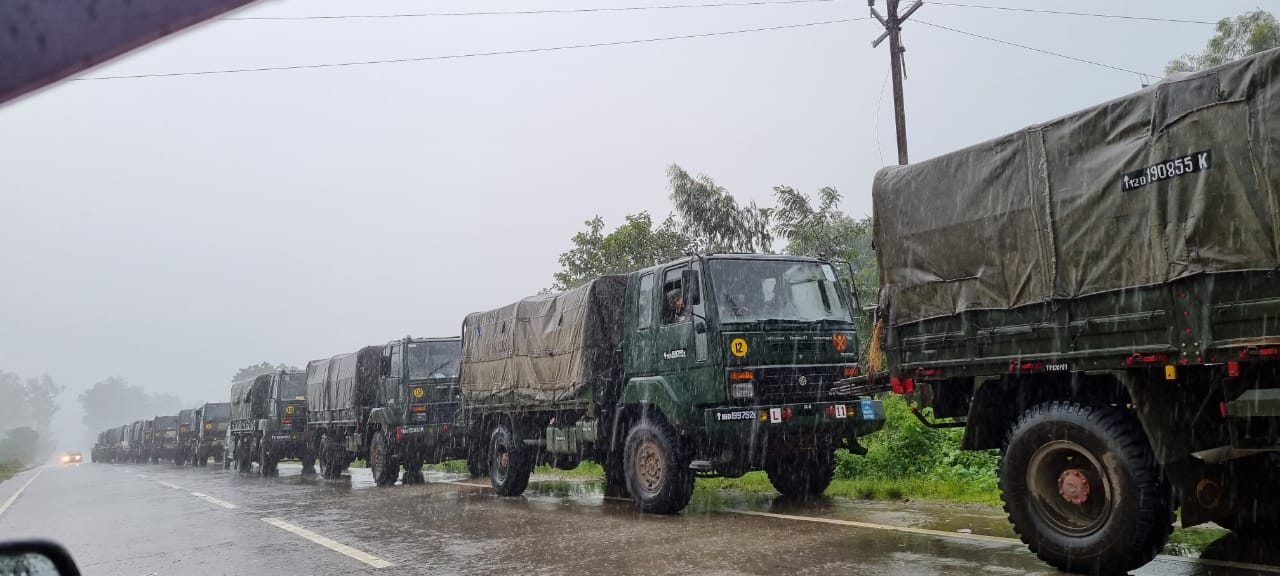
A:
{"points": [[851, 371], [740, 375]]}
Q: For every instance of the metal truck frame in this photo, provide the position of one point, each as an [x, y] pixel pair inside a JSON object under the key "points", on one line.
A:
{"points": [[719, 388]]}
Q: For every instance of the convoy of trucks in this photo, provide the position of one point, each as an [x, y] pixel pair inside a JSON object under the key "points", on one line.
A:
{"points": [[1096, 297]]}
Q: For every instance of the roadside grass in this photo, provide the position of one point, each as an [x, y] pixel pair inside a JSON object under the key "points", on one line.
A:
{"points": [[1192, 541], [8, 468]]}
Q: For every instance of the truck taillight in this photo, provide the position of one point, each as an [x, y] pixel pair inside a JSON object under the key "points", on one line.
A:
{"points": [[902, 385], [1233, 369]]}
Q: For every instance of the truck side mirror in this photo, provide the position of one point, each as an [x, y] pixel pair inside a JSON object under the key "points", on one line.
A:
{"points": [[691, 286]]}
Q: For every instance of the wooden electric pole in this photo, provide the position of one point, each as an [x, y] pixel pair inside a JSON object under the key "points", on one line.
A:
{"points": [[893, 31]]}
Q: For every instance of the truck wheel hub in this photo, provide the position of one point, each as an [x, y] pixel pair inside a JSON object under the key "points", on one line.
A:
{"points": [[1073, 486], [650, 467]]}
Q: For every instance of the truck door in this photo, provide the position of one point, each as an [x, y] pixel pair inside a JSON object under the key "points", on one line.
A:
{"points": [[679, 346], [394, 353]]}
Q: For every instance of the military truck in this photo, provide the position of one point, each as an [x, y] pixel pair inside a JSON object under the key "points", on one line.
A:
{"points": [[136, 444], [269, 422], [186, 430], [392, 404], [710, 365], [1097, 297], [97, 454], [211, 424], [118, 448], [164, 434]]}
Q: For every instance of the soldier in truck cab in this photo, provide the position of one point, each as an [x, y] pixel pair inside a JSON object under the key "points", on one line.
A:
{"points": [[676, 312]]}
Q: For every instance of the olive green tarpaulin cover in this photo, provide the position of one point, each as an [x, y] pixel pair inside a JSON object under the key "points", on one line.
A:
{"points": [[1181, 178], [250, 398], [544, 349]]}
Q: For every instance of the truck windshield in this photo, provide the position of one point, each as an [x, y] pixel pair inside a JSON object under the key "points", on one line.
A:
{"points": [[754, 290], [434, 359], [293, 386], [220, 411]]}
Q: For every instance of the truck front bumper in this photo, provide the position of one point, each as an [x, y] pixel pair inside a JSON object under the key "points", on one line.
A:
{"points": [[853, 418]]}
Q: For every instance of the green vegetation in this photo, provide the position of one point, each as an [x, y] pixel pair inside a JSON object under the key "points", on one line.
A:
{"points": [[1233, 38], [8, 468], [1192, 541]]}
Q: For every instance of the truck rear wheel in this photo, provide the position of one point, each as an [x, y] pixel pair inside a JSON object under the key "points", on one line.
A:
{"points": [[384, 468], [1083, 489], [658, 476], [509, 463], [801, 474]]}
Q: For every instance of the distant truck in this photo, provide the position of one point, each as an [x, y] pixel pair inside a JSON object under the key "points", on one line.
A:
{"points": [[211, 425], [136, 441], [392, 404], [164, 439], [1098, 298], [710, 365], [269, 422], [186, 431]]}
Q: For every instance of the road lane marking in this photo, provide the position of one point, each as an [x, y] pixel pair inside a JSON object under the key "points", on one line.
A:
{"points": [[365, 557], [143, 476], [469, 484], [169, 484], [996, 539], [14, 497], [887, 527], [209, 498]]}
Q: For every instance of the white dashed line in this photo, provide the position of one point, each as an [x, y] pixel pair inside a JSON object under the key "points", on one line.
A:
{"points": [[209, 498], [14, 497], [143, 476], [169, 485], [330, 544]]}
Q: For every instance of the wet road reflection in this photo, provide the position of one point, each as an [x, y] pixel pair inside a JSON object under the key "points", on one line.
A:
{"points": [[126, 524]]}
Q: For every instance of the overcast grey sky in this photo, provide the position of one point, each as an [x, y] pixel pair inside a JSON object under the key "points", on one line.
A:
{"points": [[170, 230]]}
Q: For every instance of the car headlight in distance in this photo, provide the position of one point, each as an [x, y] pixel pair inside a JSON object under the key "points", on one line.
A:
{"points": [[66, 459]]}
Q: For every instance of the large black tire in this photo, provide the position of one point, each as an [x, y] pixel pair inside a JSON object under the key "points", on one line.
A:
{"points": [[308, 461], [267, 461], [801, 474], [413, 472], [658, 474], [510, 464], [477, 460], [330, 465], [615, 476], [384, 467], [1083, 489]]}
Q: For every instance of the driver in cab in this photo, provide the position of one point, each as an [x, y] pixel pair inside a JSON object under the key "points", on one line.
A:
{"points": [[677, 312]]}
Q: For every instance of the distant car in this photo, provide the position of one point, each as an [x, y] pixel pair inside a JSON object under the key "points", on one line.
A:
{"points": [[72, 457]]}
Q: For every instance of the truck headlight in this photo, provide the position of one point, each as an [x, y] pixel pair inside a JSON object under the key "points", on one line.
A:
{"points": [[742, 390]]}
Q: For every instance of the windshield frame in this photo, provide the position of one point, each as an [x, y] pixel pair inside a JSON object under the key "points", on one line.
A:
{"points": [[415, 350], [282, 386], [717, 287]]}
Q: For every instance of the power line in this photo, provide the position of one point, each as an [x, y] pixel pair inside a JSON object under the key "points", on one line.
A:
{"points": [[470, 55], [1065, 13], [528, 12], [1033, 49]]}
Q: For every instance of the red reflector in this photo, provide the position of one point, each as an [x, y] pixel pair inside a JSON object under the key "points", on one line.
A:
{"points": [[740, 375], [831, 411], [286, 420], [418, 408], [928, 372], [1222, 407], [786, 413], [1147, 359], [1233, 368], [1269, 351], [896, 384], [399, 434], [851, 371], [444, 428], [908, 386]]}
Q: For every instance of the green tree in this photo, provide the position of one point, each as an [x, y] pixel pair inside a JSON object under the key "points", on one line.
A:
{"points": [[636, 244], [41, 398], [259, 369], [1234, 38], [712, 218], [113, 402], [826, 231]]}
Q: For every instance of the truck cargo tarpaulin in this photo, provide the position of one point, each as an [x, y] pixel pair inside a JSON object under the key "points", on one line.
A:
{"points": [[547, 348], [1178, 179], [250, 398]]}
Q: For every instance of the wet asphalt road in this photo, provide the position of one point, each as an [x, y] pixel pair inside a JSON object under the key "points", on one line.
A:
{"points": [[162, 520]]}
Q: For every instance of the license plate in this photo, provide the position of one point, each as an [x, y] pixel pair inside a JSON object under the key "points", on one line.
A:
{"points": [[412, 429]]}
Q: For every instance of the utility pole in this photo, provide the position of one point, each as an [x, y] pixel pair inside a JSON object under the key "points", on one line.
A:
{"points": [[893, 31]]}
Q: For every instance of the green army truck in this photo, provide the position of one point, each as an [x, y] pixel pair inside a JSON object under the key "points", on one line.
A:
{"points": [[711, 365], [212, 421], [392, 405], [164, 440], [118, 448], [1098, 297], [138, 445], [269, 422], [186, 431]]}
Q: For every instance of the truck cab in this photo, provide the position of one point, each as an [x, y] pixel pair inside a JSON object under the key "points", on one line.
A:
{"points": [[421, 400], [164, 433], [750, 357], [212, 424]]}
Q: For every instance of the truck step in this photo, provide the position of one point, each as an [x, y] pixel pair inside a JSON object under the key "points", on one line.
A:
{"points": [[1224, 453], [1255, 403], [700, 465]]}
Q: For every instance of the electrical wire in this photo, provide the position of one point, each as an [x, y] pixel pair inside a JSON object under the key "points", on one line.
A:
{"points": [[1033, 49], [529, 12], [1065, 13], [472, 54]]}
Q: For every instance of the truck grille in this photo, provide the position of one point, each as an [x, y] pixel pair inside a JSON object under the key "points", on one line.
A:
{"points": [[794, 383]]}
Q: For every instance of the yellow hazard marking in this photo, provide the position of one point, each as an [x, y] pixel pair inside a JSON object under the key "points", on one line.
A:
{"points": [[1170, 372], [738, 347], [418, 393]]}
